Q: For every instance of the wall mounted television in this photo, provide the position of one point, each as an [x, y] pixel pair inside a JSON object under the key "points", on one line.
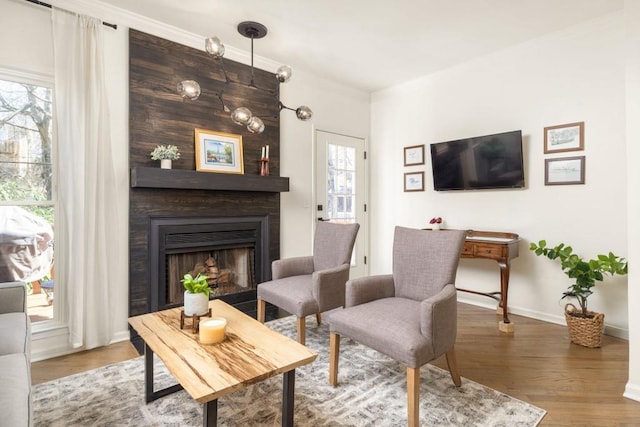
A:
{"points": [[483, 162]]}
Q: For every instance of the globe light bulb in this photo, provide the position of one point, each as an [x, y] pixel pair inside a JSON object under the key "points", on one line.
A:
{"points": [[241, 116], [214, 46], [255, 125], [283, 73], [189, 89], [304, 113]]}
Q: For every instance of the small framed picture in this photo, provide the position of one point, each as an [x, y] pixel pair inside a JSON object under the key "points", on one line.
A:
{"points": [[218, 152], [564, 171], [414, 181], [414, 155], [561, 138]]}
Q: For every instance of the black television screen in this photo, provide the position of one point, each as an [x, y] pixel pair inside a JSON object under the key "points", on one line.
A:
{"points": [[491, 161]]}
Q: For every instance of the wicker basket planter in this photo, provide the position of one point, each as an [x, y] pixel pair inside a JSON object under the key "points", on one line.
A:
{"points": [[584, 331]]}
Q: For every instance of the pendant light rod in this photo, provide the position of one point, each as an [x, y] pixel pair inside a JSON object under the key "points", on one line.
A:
{"points": [[252, 30]]}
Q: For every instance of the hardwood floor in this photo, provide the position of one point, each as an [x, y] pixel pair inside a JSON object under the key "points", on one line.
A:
{"points": [[63, 366], [577, 386]]}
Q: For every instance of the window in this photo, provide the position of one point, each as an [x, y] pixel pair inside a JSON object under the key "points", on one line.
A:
{"points": [[341, 176], [27, 207]]}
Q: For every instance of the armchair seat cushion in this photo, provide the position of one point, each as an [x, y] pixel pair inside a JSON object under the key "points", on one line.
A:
{"points": [[15, 330], [292, 294], [395, 332]]}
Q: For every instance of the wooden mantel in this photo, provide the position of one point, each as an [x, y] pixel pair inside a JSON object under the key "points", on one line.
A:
{"points": [[181, 179]]}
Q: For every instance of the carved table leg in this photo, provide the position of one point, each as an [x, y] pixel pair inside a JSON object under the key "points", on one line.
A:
{"points": [[505, 325]]}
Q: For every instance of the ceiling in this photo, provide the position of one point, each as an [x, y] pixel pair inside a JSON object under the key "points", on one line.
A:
{"points": [[373, 44]]}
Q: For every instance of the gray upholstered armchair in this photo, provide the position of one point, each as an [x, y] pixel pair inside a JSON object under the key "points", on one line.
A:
{"points": [[312, 284], [409, 315]]}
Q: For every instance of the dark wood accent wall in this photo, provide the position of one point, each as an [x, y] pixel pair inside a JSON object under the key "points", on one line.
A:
{"points": [[158, 115]]}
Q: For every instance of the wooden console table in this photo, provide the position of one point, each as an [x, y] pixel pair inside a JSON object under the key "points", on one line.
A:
{"points": [[502, 248]]}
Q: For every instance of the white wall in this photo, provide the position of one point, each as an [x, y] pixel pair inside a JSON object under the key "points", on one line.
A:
{"points": [[336, 109], [573, 75], [632, 17]]}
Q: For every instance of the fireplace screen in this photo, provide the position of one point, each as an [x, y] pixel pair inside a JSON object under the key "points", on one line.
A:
{"points": [[229, 271]]}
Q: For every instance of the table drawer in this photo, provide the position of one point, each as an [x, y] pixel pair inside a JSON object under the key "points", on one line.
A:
{"points": [[468, 250], [487, 251]]}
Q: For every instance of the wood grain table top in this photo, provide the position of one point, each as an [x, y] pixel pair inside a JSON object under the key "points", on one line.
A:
{"points": [[250, 352]]}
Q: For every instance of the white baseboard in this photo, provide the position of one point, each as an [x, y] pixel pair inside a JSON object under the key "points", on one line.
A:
{"points": [[54, 342], [613, 331], [632, 391], [120, 336]]}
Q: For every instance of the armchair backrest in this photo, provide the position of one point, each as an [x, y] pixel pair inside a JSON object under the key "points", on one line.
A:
{"points": [[333, 244], [425, 261]]}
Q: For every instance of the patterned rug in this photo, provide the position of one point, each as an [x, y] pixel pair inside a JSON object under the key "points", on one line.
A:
{"points": [[372, 392]]}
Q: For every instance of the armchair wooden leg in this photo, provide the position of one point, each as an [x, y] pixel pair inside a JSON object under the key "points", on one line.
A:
{"points": [[319, 318], [453, 367], [413, 397], [334, 353], [301, 326], [262, 306]]}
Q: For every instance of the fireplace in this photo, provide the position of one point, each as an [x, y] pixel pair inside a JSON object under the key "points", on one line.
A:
{"points": [[179, 217], [232, 251]]}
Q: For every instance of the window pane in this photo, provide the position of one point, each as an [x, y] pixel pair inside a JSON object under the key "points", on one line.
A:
{"points": [[341, 182], [26, 192]]}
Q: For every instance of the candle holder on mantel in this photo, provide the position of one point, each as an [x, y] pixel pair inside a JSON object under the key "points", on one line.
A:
{"points": [[264, 166], [195, 320]]}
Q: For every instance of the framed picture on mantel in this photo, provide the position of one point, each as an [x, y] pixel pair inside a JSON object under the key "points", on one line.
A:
{"points": [[218, 152]]}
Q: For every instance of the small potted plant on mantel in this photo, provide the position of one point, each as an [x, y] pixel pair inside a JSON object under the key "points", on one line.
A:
{"points": [[196, 295], [165, 153], [585, 327]]}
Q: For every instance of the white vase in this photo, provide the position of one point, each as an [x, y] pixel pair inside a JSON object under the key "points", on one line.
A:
{"points": [[165, 163], [195, 304], [435, 226]]}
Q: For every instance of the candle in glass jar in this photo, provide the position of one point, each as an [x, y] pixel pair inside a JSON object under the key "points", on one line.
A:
{"points": [[212, 330]]}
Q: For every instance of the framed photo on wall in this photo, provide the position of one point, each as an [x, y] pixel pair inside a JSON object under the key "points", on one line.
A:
{"points": [[414, 181], [218, 152], [564, 171], [414, 155], [561, 138]]}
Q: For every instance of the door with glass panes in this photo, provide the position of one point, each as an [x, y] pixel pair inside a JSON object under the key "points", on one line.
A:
{"points": [[341, 188]]}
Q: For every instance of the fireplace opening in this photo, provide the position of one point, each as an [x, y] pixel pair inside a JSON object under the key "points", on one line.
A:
{"points": [[228, 271], [232, 251]]}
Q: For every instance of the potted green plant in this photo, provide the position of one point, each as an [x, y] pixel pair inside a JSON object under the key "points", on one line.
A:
{"points": [[165, 153], [196, 295], [585, 327]]}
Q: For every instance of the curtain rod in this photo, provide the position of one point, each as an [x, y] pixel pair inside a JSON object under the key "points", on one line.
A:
{"points": [[40, 3]]}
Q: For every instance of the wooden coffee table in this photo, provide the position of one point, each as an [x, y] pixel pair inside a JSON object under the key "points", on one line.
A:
{"points": [[250, 353]]}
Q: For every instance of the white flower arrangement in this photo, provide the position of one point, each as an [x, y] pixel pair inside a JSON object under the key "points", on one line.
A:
{"points": [[165, 152]]}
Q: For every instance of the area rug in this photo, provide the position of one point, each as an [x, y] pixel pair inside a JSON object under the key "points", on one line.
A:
{"points": [[371, 392]]}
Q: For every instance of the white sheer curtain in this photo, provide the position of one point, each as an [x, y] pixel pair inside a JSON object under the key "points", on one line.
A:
{"points": [[86, 181]]}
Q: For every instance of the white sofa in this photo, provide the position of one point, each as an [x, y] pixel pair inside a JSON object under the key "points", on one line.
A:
{"points": [[15, 356]]}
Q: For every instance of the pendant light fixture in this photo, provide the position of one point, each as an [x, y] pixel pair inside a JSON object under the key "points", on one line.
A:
{"points": [[242, 116]]}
